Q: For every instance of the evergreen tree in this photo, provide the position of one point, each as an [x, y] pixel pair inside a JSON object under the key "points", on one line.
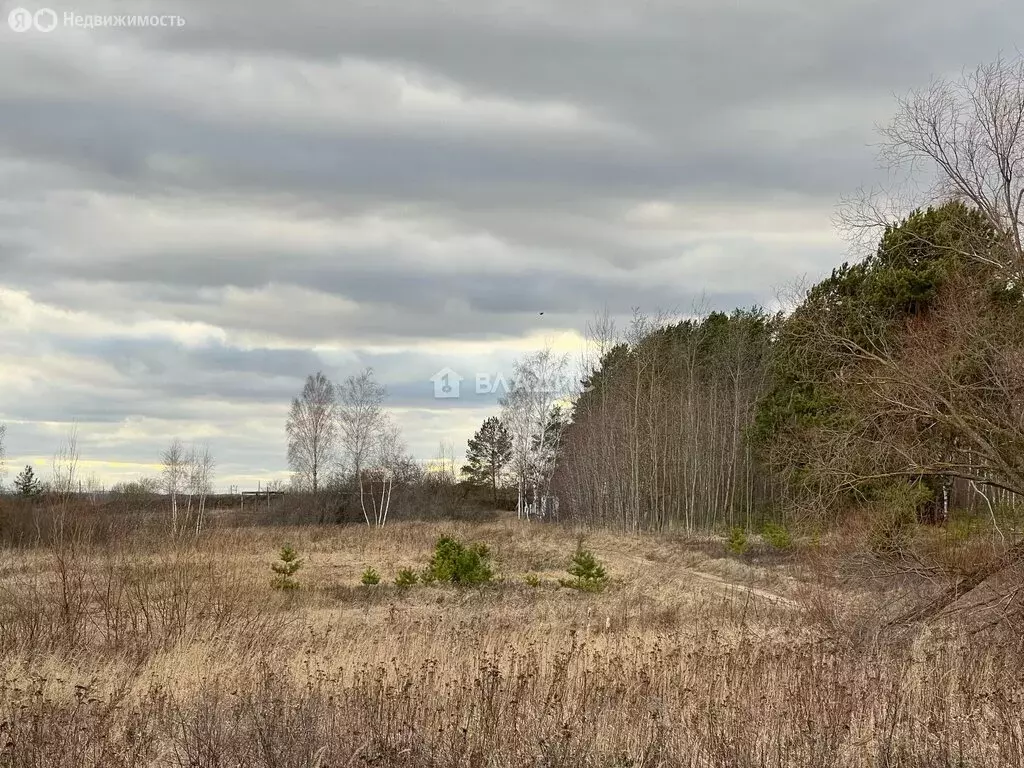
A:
{"points": [[490, 450], [27, 484], [820, 424], [587, 572], [866, 304], [285, 568]]}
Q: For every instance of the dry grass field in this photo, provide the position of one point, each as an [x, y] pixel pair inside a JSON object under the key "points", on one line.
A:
{"points": [[148, 654]]}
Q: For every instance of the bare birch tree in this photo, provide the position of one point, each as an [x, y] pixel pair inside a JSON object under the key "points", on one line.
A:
{"points": [[201, 466], [388, 457], [173, 476], [360, 416], [312, 430], [361, 419], [538, 384]]}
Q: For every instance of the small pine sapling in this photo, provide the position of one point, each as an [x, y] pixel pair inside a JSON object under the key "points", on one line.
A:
{"points": [[777, 536], [458, 563], [285, 568], [587, 573], [370, 577], [737, 540], [406, 577]]}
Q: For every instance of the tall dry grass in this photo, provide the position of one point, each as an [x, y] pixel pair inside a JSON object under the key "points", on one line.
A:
{"points": [[141, 653]]}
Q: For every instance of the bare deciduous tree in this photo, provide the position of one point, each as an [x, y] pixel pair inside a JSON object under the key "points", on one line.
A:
{"points": [[64, 465], [363, 427], [360, 417], [967, 137], [64, 477], [388, 460], [538, 384], [199, 470], [173, 476], [312, 430]]}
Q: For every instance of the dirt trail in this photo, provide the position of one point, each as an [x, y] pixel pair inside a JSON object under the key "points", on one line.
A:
{"points": [[723, 583], [729, 585]]}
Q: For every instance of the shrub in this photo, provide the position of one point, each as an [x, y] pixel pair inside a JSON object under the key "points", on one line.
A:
{"points": [[457, 563], [777, 536], [737, 540], [285, 568], [406, 577], [370, 577], [587, 573]]}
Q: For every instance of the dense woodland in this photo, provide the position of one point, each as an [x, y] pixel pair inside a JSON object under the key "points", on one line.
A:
{"points": [[902, 369], [660, 437]]}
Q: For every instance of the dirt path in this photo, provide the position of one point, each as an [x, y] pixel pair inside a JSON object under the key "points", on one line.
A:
{"points": [[723, 583], [730, 585]]}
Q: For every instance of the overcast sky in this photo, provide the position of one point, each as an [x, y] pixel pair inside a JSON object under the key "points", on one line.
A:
{"points": [[192, 219]]}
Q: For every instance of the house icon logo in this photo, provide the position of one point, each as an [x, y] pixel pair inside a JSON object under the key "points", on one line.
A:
{"points": [[446, 383]]}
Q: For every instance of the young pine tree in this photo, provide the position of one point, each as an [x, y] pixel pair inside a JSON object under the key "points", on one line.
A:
{"points": [[285, 568], [27, 484], [587, 572]]}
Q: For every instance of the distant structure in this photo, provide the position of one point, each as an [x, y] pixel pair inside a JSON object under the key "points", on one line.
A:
{"points": [[271, 491]]}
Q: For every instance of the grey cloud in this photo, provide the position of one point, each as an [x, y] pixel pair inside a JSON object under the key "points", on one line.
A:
{"points": [[728, 158], [657, 59], [418, 305]]}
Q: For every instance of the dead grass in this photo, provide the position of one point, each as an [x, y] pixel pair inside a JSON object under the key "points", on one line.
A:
{"points": [[147, 654]]}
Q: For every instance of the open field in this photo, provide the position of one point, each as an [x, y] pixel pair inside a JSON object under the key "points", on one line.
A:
{"points": [[150, 654]]}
